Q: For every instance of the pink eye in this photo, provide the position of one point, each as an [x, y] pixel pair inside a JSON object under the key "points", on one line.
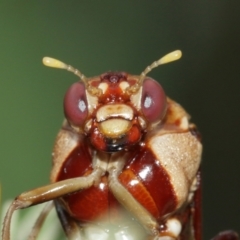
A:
{"points": [[153, 100], [75, 104]]}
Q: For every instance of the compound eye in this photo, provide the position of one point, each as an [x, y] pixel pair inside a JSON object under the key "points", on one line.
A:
{"points": [[75, 104], [153, 101]]}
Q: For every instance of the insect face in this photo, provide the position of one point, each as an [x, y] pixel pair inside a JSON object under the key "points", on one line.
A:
{"points": [[114, 116]]}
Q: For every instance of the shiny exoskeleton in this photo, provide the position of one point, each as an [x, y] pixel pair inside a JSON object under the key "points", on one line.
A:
{"points": [[125, 162], [143, 162]]}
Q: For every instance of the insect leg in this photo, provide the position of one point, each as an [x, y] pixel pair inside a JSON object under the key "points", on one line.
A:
{"points": [[47, 193], [173, 226], [131, 204], [38, 224]]}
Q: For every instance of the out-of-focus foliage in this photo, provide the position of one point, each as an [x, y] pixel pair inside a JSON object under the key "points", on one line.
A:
{"points": [[23, 221]]}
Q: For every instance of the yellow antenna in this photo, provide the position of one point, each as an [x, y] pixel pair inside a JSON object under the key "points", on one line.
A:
{"points": [[170, 57], [52, 62]]}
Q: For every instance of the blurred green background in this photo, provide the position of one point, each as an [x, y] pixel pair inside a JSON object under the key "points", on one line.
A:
{"points": [[97, 36]]}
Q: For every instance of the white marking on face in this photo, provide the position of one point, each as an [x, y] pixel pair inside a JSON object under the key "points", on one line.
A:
{"points": [[88, 125], [92, 102], [136, 99], [103, 87], [124, 85], [142, 122], [114, 127], [114, 110]]}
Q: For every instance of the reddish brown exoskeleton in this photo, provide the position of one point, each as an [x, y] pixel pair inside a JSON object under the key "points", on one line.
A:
{"points": [[125, 162]]}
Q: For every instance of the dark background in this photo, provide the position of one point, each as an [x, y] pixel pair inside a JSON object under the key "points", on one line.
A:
{"points": [[97, 36]]}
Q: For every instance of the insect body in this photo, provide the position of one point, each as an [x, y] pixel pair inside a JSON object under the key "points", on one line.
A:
{"points": [[125, 163]]}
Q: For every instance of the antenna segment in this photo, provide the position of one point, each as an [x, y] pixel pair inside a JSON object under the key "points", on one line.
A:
{"points": [[52, 62], [170, 57]]}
